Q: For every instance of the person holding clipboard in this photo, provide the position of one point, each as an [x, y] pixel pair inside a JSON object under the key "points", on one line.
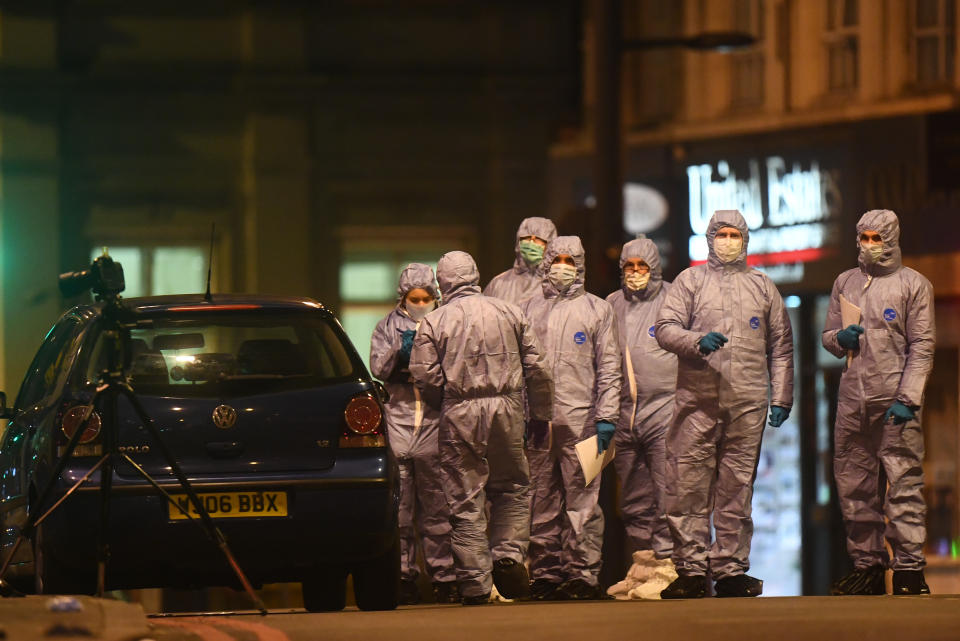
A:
{"points": [[878, 440]]}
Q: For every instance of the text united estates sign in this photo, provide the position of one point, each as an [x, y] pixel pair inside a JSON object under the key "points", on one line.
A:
{"points": [[793, 212]]}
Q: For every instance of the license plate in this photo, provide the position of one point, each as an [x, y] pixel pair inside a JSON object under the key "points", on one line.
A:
{"points": [[227, 505]]}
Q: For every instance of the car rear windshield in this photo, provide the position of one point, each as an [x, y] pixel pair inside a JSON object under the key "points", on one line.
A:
{"points": [[221, 354]]}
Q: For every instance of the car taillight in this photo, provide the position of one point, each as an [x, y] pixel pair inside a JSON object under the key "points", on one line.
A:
{"points": [[71, 420], [364, 420]]}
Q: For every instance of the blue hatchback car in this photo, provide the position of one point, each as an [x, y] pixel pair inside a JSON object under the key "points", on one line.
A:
{"points": [[271, 414]]}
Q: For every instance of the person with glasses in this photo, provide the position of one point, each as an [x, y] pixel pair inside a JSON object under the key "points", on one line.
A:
{"points": [[646, 410]]}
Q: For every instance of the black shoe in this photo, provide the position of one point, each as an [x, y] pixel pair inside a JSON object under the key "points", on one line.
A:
{"points": [[544, 590], [480, 599], [511, 579], [686, 586], [409, 592], [580, 590], [909, 582], [862, 581], [446, 592], [738, 585]]}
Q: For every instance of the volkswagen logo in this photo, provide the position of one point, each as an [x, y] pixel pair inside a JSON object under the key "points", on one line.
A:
{"points": [[224, 417]]}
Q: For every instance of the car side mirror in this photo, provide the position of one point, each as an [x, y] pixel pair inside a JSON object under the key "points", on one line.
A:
{"points": [[382, 392], [5, 412]]}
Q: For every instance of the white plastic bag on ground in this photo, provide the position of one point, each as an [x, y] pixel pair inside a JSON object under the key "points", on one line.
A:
{"points": [[645, 579]]}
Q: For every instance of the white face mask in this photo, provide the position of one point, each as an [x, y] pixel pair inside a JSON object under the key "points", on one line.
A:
{"points": [[871, 252], [419, 310], [636, 282], [562, 276], [727, 249]]}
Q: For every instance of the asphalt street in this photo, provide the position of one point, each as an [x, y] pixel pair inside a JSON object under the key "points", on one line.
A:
{"points": [[928, 618]]}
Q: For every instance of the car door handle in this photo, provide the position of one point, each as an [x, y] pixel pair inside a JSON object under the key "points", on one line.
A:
{"points": [[224, 449]]}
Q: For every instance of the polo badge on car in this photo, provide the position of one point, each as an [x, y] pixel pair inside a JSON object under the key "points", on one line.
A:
{"points": [[224, 416]]}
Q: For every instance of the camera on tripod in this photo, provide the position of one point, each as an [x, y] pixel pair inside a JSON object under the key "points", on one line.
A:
{"points": [[104, 277]]}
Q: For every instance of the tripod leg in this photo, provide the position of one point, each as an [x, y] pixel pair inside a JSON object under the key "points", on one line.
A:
{"points": [[106, 483], [159, 488], [208, 523]]}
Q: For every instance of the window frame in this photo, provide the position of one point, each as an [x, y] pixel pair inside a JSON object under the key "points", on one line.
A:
{"points": [[837, 35], [748, 66], [944, 32]]}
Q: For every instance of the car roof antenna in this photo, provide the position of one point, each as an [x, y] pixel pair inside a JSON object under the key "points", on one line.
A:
{"points": [[207, 297]]}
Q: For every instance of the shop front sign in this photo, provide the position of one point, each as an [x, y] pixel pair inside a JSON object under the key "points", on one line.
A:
{"points": [[792, 212]]}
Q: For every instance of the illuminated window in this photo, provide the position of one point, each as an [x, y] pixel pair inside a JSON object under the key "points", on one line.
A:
{"points": [[841, 38], [153, 271], [933, 40], [747, 66]]}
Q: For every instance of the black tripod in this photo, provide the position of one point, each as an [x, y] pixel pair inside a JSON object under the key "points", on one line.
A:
{"points": [[112, 385]]}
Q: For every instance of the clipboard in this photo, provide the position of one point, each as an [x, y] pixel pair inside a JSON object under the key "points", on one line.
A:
{"points": [[850, 314]]}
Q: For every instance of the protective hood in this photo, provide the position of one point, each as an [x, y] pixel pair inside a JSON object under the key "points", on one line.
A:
{"points": [[458, 276], [564, 245], [416, 276], [727, 218], [646, 250], [535, 226], [885, 223]]}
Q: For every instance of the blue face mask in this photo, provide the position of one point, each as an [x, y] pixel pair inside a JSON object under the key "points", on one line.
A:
{"points": [[531, 252]]}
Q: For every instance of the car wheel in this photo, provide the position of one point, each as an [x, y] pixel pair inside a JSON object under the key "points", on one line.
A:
{"points": [[376, 583], [327, 591]]}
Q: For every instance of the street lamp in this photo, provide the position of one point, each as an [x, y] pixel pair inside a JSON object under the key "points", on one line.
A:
{"points": [[609, 47]]}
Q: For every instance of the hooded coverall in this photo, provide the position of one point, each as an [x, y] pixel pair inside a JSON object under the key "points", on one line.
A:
{"points": [[646, 404], [714, 442], [412, 431], [892, 364], [481, 354], [579, 335]]}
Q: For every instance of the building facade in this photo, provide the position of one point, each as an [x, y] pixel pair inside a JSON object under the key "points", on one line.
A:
{"points": [[329, 143], [839, 107]]}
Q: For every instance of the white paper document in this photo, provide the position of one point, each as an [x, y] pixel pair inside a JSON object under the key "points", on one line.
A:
{"points": [[849, 315], [591, 462]]}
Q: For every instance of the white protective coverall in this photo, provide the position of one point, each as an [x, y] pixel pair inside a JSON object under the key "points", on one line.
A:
{"points": [[412, 431], [579, 335], [714, 442], [481, 353], [892, 364], [646, 404]]}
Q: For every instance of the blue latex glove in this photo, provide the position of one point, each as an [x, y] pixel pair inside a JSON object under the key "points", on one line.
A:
{"points": [[406, 342], [605, 431], [712, 342], [899, 412], [406, 346], [778, 415], [849, 338]]}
